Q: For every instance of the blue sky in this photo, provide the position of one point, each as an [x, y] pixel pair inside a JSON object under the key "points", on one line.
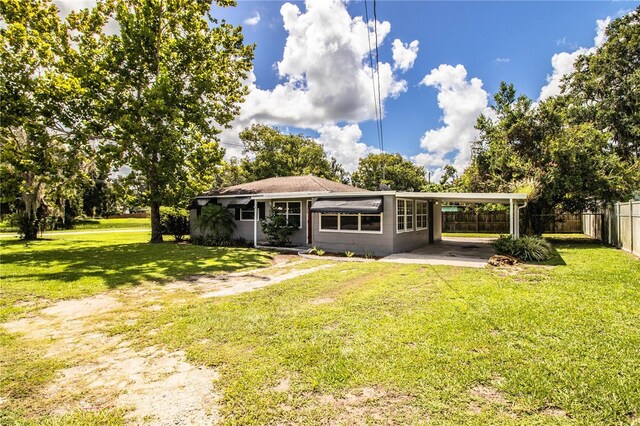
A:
{"points": [[440, 63], [491, 41]]}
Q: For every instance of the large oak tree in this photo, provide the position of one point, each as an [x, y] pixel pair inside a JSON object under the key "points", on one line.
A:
{"points": [[536, 149], [161, 89], [44, 155]]}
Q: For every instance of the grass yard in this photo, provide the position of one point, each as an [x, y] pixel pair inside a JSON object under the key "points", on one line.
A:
{"points": [[93, 224], [70, 266], [358, 342]]}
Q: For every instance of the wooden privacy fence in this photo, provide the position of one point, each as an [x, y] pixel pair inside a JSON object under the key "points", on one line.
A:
{"points": [[498, 223], [617, 225]]}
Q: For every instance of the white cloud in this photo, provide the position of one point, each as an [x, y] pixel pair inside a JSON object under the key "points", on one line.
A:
{"points": [[462, 101], [404, 54], [563, 62], [344, 144], [502, 60], [326, 79], [254, 20]]}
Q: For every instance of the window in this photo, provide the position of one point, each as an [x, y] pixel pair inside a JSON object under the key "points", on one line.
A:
{"points": [[342, 222], [329, 221], [422, 215], [371, 222], [292, 210], [349, 222], [404, 215], [246, 214]]}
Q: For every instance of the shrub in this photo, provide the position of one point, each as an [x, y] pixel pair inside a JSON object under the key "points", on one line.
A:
{"points": [[174, 221], [525, 248], [349, 253], [504, 245], [216, 221], [277, 229], [320, 252], [221, 241]]}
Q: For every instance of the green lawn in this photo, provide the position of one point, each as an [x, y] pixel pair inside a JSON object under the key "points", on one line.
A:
{"points": [[127, 223], [94, 224], [67, 266], [545, 345]]}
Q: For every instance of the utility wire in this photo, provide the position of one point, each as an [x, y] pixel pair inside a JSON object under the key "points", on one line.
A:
{"points": [[373, 79], [375, 30]]}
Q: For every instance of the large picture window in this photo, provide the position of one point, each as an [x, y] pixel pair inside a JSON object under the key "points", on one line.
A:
{"points": [[422, 215], [342, 222], [292, 210], [404, 215]]}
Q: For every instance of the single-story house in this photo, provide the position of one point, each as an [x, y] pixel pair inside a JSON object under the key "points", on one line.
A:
{"points": [[337, 217]]}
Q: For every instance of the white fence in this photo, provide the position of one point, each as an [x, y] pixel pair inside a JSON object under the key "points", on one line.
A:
{"points": [[618, 225]]}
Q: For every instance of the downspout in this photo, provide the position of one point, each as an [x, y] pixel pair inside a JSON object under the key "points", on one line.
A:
{"points": [[518, 224]]}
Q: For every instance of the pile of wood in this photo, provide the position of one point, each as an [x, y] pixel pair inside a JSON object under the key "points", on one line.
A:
{"points": [[502, 260]]}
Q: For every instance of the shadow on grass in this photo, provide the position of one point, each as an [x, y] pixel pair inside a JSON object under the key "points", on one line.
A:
{"points": [[120, 264], [574, 242], [555, 259]]}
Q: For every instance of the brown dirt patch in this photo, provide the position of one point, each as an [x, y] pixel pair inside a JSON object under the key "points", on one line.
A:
{"points": [[366, 406], [489, 394], [554, 412], [283, 385], [106, 372]]}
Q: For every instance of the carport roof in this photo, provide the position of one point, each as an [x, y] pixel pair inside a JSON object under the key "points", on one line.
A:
{"points": [[467, 197]]}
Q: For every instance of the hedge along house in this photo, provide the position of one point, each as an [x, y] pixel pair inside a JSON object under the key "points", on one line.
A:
{"points": [[337, 217]]}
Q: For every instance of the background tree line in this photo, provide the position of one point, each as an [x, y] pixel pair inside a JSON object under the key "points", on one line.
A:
{"points": [[78, 104]]}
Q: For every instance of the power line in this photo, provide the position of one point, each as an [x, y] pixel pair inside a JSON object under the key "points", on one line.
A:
{"points": [[373, 80], [375, 30]]}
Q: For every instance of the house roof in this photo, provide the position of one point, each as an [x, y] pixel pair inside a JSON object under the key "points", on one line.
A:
{"points": [[286, 184]]}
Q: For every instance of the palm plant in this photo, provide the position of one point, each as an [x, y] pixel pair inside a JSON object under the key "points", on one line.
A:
{"points": [[216, 221]]}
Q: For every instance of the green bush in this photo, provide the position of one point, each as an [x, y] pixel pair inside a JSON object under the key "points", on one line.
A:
{"points": [[221, 241], [174, 221], [216, 221], [525, 248], [277, 229]]}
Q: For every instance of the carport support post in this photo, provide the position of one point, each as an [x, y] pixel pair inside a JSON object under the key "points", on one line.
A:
{"points": [[256, 214]]}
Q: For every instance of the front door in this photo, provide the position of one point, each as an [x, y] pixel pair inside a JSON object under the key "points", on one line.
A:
{"points": [[309, 223]]}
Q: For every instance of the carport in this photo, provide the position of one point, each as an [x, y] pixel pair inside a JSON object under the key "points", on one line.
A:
{"points": [[470, 252], [515, 201]]}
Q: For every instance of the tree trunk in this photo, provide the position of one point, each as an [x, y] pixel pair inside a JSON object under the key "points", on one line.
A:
{"points": [[30, 230], [154, 192], [156, 229]]}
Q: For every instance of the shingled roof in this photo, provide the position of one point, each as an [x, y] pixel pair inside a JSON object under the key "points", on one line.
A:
{"points": [[308, 183]]}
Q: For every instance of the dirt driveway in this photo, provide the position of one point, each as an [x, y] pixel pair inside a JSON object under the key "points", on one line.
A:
{"points": [[106, 371]]}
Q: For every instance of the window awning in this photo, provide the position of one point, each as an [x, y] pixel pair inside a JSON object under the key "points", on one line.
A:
{"points": [[369, 205], [239, 202], [201, 202]]}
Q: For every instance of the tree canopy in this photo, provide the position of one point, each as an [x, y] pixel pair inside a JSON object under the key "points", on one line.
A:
{"points": [[273, 153], [44, 157], [605, 87], [536, 149], [161, 90], [392, 170]]}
